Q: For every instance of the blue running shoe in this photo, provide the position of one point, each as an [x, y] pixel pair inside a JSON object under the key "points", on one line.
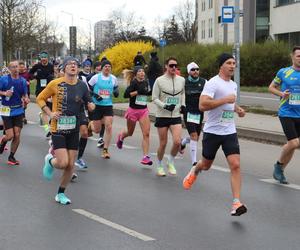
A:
{"points": [[62, 199], [278, 174], [48, 169], [81, 164]]}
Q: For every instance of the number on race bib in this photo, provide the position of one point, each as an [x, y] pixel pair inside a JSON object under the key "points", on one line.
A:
{"points": [[141, 100], [4, 110], [172, 100], [66, 123], [227, 116], [193, 118]]}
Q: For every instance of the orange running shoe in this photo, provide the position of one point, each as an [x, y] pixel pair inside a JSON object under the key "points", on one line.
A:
{"points": [[189, 180], [105, 154], [238, 209]]}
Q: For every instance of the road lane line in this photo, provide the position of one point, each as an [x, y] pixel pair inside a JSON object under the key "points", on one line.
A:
{"points": [[113, 225], [262, 98], [272, 181], [218, 168]]}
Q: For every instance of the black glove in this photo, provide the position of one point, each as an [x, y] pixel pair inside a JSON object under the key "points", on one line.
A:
{"points": [[182, 109], [170, 107], [98, 97], [116, 91]]}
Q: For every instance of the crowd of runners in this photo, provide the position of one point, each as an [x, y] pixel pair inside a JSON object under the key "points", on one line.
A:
{"points": [[74, 105]]}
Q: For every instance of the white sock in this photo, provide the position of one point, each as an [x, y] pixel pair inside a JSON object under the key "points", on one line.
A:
{"points": [[193, 151], [185, 140], [171, 159], [159, 163]]}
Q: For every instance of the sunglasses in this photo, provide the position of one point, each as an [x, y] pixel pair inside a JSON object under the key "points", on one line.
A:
{"points": [[173, 65], [195, 69]]}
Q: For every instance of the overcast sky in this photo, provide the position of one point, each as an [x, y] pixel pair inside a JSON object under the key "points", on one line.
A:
{"points": [[96, 10]]}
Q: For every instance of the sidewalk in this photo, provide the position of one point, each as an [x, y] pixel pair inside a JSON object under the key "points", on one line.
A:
{"points": [[264, 128]]}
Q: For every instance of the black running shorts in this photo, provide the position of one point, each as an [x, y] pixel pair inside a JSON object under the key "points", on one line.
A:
{"points": [[212, 142], [162, 122], [68, 141], [100, 112], [291, 127], [13, 121]]}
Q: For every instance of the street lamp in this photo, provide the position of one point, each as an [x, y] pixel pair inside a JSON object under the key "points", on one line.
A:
{"points": [[90, 37], [72, 36]]}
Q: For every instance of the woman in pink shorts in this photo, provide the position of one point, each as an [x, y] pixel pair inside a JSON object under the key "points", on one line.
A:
{"points": [[137, 92]]}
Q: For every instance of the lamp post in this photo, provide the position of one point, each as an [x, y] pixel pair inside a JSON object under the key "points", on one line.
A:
{"points": [[90, 34], [72, 35]]}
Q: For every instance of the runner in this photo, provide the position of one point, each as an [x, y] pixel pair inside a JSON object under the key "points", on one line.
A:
{"points": [[13, 90], [218, 97], [169, 97], [104, 86], [137, 92], [286, 84], [43, 72], [193, 117], [68, 93]]}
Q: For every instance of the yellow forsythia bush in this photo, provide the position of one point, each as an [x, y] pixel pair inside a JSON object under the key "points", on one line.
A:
{"points": [[122, 54]]}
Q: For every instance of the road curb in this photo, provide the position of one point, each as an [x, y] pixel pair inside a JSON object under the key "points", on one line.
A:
{"points": [[243, 132]]}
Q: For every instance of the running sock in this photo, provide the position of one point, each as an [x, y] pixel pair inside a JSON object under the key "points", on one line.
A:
{"points": [[11, 155], [185, 140], [61, 190], [236, 200], [171, 159], [279, 163], [193, 150], [159, 162], [101, 134], [82, 146]]}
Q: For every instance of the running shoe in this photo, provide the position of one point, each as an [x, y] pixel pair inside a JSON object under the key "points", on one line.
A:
{"points": [[12, 161], [74, 177], [46, 128], [2, 147], [100, 142], [119, 141], [48, 168], [189, 180], [62, 199], [238, 209], [278, 174], [81, 164], [171, 169], [105, 154], [160, 171], [146, 160]]}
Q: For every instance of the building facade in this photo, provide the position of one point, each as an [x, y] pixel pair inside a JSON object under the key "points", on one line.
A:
{"points": [[104, 31]]}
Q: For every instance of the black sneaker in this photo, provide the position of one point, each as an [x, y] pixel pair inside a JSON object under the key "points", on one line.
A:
{"points": [[74, 177], [12, 161], [100, 143]]}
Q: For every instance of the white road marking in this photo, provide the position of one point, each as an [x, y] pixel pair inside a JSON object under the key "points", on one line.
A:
{"points": [[113, 225], [218, 168], [272, 181], [31, 122], [262, 98]]}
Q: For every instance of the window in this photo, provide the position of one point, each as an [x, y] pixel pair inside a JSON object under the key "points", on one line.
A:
{"points": [[210, 4], [285, 2], [203, 5], [210, 27], [203, 29]]}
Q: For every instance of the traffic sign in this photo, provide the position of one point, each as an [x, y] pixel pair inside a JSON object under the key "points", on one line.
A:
{"points": [[162, 42], [227, 14]]}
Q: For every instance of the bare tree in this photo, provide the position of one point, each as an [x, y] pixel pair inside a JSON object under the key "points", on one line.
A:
{"points": [[186, 19]]}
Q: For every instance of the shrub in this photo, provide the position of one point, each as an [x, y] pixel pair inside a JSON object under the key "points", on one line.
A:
{"points": [[122, 54]]}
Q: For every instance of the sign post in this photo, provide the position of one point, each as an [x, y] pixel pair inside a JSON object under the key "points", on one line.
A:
{"points": [[73, 40], [162, 44]]}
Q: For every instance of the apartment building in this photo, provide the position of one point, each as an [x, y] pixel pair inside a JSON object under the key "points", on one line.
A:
{"points": [[103, 31]]}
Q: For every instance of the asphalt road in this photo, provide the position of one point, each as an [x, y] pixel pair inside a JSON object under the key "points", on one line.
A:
{"points": [[260, 100], [119, 204]]}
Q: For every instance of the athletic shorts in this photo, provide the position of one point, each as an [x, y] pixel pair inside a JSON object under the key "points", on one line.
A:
{"points": [[291, 127], [67, 141], [100, 112], [136, 114], [49, 105], [162, 122], [13, 121], [193, 127], [212, 142], [83, 119]]}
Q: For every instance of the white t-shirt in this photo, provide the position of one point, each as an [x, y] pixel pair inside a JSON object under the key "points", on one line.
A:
{"points": [[94, 79], [220, 121]]}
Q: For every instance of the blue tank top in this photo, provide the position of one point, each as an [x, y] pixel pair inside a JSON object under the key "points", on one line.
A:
{"points": [[104, 88]]}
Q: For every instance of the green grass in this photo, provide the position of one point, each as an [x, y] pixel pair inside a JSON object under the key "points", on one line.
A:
{"points": [[256, 89]]}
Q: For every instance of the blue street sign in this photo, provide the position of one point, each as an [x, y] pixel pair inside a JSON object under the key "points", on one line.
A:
{"points": [[162, 42], [227, 14]]}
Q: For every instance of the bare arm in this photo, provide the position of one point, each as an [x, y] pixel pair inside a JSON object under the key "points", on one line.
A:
{"points": [[207, 103], [274, 89]]}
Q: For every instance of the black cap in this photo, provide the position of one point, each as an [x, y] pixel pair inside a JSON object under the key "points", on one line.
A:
{"points": [[105, 62], [136, 69], [223, 58]]}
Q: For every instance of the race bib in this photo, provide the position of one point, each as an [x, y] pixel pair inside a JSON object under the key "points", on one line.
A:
{"points": [[66, 123], [294, 99], [5, 111], [43, 82], [193, 118], [172, 100], [104, 93], [141, 100], [227, 116]]}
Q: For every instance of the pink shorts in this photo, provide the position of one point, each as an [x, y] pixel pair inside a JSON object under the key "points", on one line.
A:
{"points": [[136, 114]]}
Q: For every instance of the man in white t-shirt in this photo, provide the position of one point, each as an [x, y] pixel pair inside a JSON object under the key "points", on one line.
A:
{"points": [[218, 98]]}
